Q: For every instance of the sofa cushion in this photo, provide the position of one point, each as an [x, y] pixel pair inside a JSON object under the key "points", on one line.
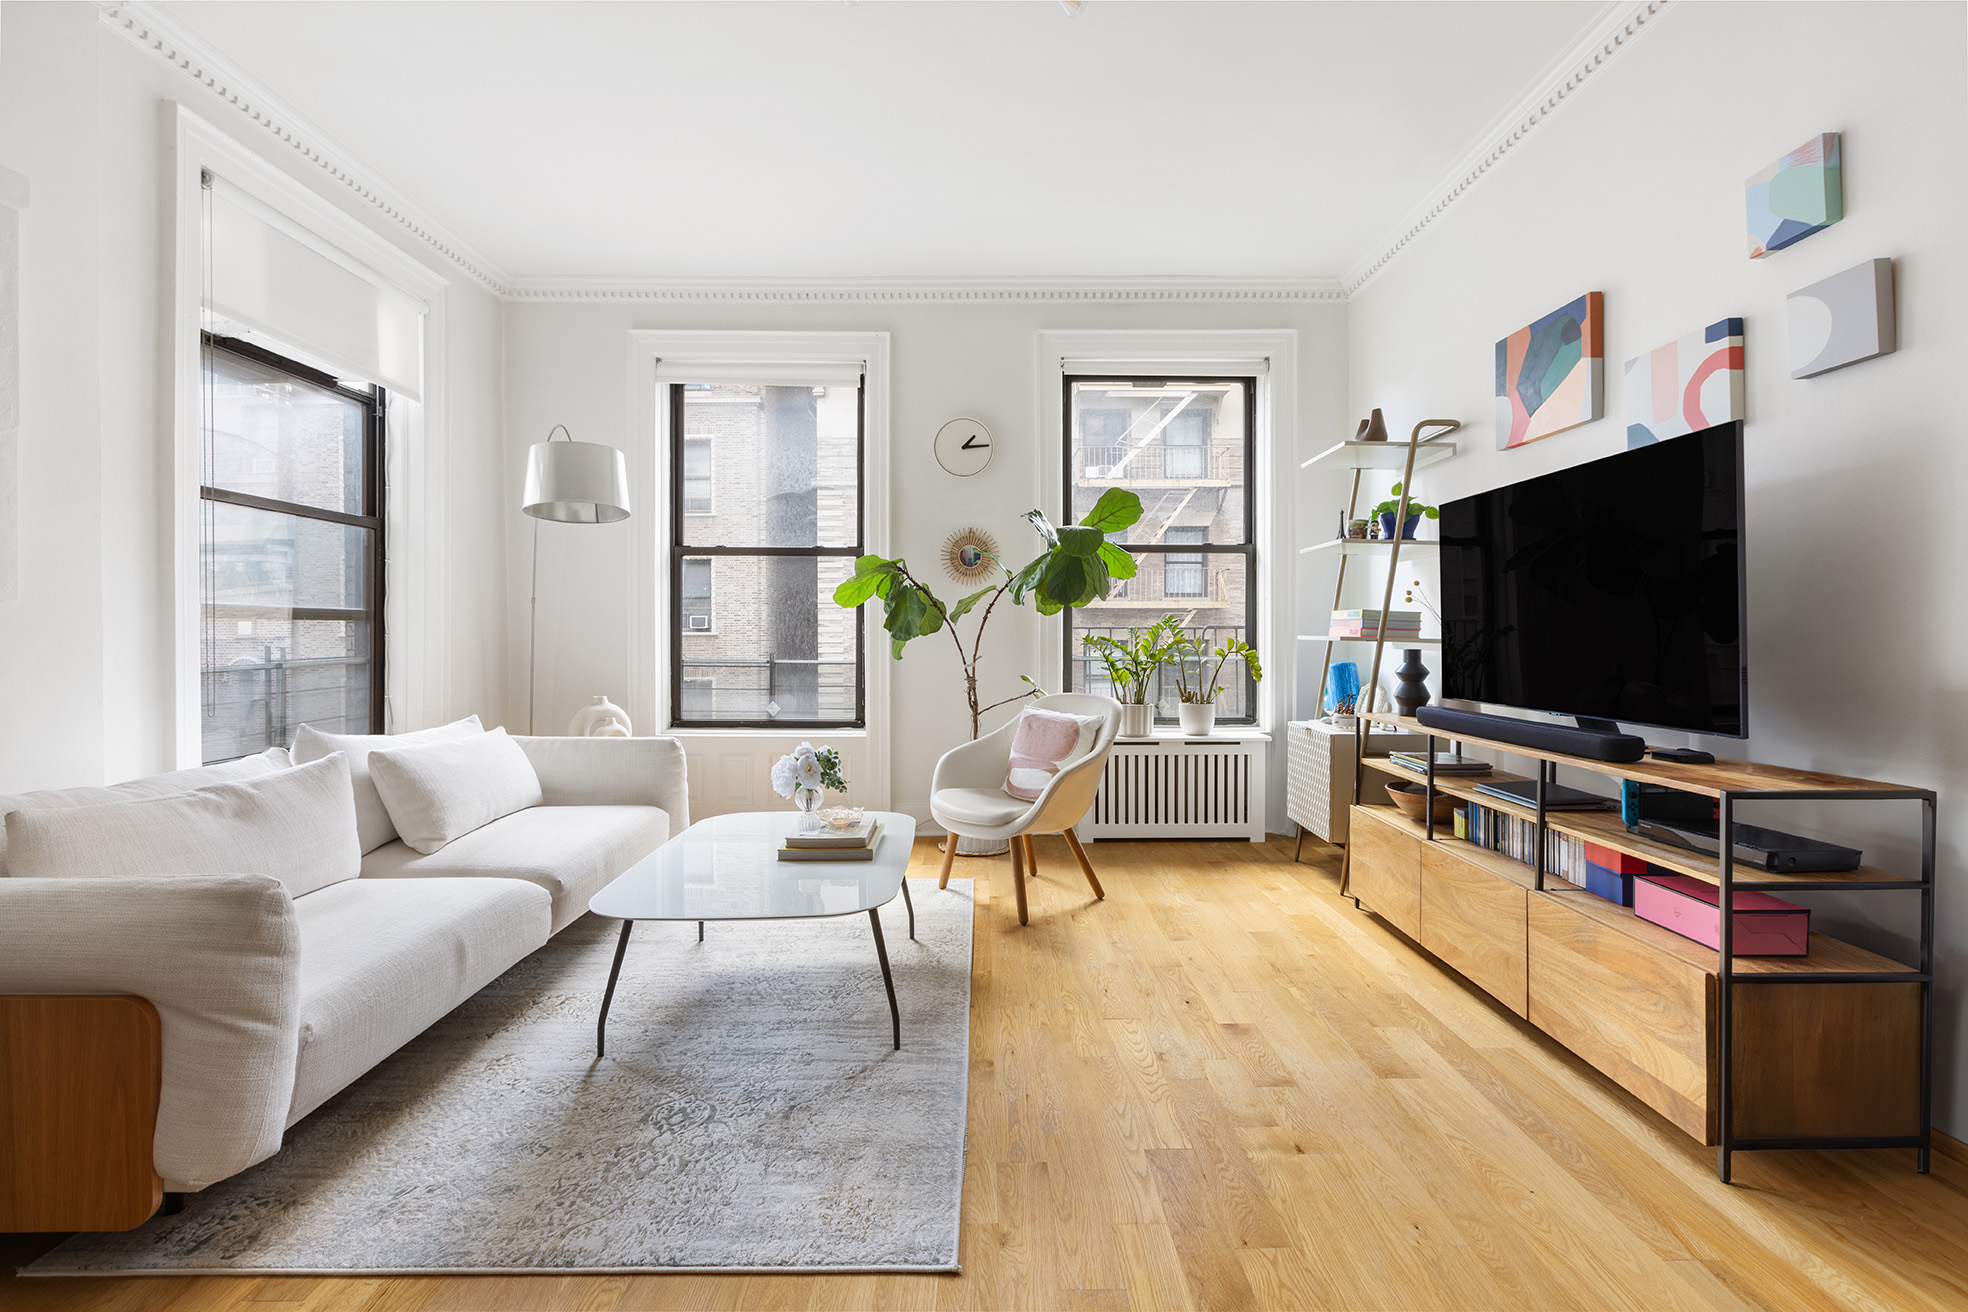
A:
{"points": [[984, 808], [1044, 743], [142, 790], [440, 791], [571, 851], [372, 818], [297, 825], [381, 959]]}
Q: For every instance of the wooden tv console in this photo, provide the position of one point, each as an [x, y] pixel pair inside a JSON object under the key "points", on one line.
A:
{"points": [[1828, 1050]]}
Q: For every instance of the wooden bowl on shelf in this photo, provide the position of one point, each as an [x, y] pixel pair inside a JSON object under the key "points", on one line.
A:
{"points": [[1411, 800]]}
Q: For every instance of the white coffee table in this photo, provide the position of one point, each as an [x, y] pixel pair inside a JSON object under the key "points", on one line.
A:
{"points": [[728, 868]]}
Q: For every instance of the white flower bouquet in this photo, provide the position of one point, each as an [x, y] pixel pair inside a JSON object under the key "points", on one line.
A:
{"points": [[810, 768]]}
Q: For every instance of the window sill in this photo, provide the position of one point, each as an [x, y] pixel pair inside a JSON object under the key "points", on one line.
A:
{"points": [[790, 731], [1246, 733]]}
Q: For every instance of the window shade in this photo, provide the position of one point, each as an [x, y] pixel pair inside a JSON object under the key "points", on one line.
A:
{"points": [[775, 373], [272, 278]]}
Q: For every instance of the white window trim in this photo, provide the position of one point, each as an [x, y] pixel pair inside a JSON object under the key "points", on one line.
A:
{"points": [[415, 596], [1268, 355], [710, 356]]}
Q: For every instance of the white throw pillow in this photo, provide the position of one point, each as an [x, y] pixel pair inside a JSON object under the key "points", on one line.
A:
{"points": [[436, 792], [297, 825], [372, 818], [1044, 743]]}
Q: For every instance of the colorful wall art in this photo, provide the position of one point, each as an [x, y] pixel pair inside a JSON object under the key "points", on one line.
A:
{"points": [[1687, 385], [1844, 319], [1800, 194], [1552, 375]]}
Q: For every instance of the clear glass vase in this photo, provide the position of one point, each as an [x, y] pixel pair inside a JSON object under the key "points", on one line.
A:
{"points": [[808, 801]]}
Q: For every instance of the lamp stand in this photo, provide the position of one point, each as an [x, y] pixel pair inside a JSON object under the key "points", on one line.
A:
{"points": [[533, 630]]}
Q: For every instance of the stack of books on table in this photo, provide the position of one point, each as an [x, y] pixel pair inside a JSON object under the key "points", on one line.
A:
{"points": [[856, 842], [1366, 624]]}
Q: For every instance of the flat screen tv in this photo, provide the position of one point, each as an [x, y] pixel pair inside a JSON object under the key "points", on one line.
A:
{"points": [[1612, 590]]}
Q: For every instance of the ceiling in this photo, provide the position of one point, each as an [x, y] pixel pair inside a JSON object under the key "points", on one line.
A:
{"points": [[855, 140]]}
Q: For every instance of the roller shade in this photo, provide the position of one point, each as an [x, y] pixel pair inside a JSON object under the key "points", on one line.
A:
{"points": [[775, 373], [276, 280]]}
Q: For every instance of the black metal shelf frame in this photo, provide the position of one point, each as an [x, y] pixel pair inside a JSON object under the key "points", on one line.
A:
{"points": [[1728, 1144]]}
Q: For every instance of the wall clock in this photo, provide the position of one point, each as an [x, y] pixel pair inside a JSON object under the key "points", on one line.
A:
{"points": [[963, 447], [969, 554]]}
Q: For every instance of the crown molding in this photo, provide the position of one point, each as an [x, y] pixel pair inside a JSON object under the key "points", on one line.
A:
{"points": [[1616, 30], [1163, 288], [139, 23], [144, 27]]}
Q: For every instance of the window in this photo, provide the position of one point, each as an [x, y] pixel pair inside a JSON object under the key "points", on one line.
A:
{"points": [[1183, 572], [782, 536], [1183, 447], [696, 475], [290, 552], [696, 595], [1185, 451]]}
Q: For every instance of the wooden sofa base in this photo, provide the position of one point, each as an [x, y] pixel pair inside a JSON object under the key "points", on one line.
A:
{"points": [[80, 1077]]}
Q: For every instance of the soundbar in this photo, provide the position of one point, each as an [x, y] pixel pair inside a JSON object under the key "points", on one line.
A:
{"points": [[1588, 744]]}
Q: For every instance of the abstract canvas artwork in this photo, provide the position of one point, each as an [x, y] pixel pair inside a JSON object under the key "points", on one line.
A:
{"points": [[1687, 385], [1552, 375], [1800, 194], [1844, 319]]}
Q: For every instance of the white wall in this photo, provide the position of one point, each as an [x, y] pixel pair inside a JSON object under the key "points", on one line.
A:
{"points": [[1855, 533], [567, 363], [85, 651]]}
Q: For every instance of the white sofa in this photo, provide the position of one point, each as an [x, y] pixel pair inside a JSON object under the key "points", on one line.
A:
{"points": [[271, 1004]]}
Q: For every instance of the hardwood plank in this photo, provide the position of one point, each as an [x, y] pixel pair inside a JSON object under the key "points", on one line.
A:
{"points": [[1371, 1131]]}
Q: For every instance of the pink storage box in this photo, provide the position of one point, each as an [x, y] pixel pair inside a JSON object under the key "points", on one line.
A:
{"points": [[1765, 926]]}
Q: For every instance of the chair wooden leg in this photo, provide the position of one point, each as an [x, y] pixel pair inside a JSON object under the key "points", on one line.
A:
{"points": [[1086, 866], [949, 859], [1031, 857], [1018, 879]]}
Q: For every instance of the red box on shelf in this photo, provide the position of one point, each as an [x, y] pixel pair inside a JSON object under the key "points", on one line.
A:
{"points": [[1765, 926], [1618, 863]]}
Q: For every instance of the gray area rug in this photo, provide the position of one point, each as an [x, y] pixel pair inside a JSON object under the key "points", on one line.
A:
{"points": [[750, 1116]]}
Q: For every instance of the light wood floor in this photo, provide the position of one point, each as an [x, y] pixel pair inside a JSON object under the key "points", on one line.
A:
{"points": [[1224, 1087]]}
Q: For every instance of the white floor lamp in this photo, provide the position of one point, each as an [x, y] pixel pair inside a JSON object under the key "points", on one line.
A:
{"points": [[569, 483]]}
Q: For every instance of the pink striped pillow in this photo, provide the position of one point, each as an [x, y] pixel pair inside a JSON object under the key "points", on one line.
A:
{"points": [[1045, 743]]}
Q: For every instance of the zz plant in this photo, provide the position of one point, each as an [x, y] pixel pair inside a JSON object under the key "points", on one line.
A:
{"points": [[1133, 661], [1205, 690], [1078, 565]]}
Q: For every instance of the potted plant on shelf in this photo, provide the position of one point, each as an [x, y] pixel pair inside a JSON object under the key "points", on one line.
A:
{"points": [[1387, 509], [1132, 663], [1198, 710]]}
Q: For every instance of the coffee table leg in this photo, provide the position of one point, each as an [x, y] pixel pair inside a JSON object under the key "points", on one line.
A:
{"points": [[888, 980], [700, 931], [614, 972], [910, 903]]}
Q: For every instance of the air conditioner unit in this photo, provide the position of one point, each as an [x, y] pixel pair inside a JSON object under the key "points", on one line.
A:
{"points": [[700, 622]]}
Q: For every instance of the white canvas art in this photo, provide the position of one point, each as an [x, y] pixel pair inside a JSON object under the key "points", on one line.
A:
{"points": [[1842, 320], [13, 199]]}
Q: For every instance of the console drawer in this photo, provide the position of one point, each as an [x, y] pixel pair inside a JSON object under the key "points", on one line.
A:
{"points": [[1474, 920], [1384, 867]]}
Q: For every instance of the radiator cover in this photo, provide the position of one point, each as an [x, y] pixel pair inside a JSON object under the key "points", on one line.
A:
{"points": [[1180, 788]]}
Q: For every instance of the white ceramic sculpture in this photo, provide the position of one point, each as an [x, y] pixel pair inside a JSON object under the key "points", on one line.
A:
{"points": [[600, 719]]}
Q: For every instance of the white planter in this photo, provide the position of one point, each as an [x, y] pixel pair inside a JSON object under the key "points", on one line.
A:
{"points": [[1197, 718], [1137, 719]]}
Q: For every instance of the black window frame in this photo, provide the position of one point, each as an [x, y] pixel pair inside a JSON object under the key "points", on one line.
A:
{"points": [[374, 403], [1247, 548], [680, 549]]}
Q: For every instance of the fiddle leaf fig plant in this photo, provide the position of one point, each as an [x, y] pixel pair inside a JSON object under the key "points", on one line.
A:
{"points": [[1077, 566]]}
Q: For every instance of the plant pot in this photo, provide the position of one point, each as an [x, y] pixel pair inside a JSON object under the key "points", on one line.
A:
{"points": [[1407, 529], [1198, 718], [1137, 719]]}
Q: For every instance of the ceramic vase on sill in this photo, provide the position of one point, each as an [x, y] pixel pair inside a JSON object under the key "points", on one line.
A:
{"points": [[1197, 718], [1137, 719]]}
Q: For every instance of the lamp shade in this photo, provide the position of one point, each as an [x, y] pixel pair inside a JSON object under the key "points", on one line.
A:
{"points": [[576, 483]]}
